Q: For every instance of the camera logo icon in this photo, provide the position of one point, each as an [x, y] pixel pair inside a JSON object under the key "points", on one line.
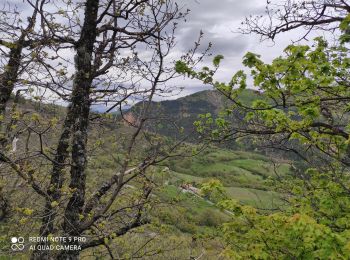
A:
{"points": [[17, 243]]}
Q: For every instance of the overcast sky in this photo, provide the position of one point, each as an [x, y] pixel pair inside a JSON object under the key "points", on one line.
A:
{"points": [[220, 20]]}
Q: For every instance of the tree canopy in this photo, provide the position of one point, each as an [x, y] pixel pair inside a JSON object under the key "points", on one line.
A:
{"points": [[303, 109]]}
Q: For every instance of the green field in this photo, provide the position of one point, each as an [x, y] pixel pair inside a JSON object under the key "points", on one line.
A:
{"points": [[243, 174]]}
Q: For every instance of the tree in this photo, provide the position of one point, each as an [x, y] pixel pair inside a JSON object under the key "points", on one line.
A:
{"points": [[289, 15], [17, 43], [121, 53], [302, 106], [101, 18], [16, 37]]}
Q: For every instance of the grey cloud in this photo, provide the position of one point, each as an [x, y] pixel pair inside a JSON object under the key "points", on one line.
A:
{"points": [[229, 45], [218, 20], [222, 10]]}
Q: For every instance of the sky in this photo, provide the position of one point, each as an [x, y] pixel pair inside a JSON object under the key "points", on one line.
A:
{"points": [[219, 20]]}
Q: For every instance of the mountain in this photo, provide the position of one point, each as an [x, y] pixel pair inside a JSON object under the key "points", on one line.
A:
{"points": [[176, 117], [179, 209]]}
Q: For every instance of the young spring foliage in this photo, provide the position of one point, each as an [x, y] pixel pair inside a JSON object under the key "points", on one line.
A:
{"points": [[304, 101]]}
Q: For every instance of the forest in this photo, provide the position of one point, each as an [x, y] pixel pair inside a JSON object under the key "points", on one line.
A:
{"points": [[169, 129]]}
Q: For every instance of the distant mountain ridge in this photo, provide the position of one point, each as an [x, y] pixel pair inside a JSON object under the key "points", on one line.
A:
{"points": [[177, 116]]}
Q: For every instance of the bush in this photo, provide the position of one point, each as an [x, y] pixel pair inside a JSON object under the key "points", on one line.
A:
{"points": [[210, 218]]}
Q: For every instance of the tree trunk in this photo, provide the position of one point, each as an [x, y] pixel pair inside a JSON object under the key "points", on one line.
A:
{"points": [[8, 80], [76, 125], [10, 75], [56, 183], [81, 111]]}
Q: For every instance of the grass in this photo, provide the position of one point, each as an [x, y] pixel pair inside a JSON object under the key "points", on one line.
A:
{"points": [[242, 173], [262, 168], [242, 169], [186, 178], [258, 198], [188, 213]]}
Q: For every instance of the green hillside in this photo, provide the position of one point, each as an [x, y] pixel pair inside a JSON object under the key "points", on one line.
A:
{"points": [[243, 174], [177, 116], [180, 214]]}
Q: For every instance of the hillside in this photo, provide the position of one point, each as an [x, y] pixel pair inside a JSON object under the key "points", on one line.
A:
{"points": [[100, 157], [181, 214], [177, 116]]}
